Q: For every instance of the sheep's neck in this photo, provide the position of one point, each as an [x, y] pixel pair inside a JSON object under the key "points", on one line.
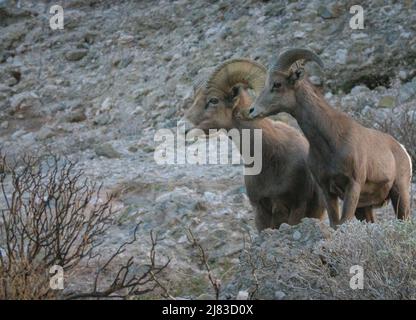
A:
{"points": [[263, 124], [317, 121]]}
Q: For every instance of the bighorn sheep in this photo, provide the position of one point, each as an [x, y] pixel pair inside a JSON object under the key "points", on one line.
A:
{"points": [[362, 166], [285, 190]]}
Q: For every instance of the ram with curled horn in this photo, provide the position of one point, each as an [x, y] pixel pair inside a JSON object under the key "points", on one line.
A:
{"points": [[363, 167], [284, 190]]}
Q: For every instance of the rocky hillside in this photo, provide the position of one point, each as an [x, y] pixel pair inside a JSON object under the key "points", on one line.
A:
{"points": [[97, 91]]}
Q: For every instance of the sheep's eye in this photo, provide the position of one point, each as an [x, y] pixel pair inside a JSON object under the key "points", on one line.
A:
{"points": [[276, 85], [214, 101]]}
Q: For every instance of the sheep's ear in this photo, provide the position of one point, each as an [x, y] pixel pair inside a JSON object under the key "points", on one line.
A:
{"points": [[234, 92], [234, 96], [296, 75]]}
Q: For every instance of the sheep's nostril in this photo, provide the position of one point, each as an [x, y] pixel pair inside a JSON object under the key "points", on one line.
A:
{"points": [[251, 110]]}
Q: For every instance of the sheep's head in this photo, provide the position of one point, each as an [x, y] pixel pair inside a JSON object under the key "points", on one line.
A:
{"points": [[224, 96], [278, 94]]}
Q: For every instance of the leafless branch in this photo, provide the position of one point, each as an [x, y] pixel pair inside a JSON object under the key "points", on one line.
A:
{"points": [[51, 215], [215, 282]]}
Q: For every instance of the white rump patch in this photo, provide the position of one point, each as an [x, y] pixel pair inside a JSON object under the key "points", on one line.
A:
{"points": [[410, 160]]}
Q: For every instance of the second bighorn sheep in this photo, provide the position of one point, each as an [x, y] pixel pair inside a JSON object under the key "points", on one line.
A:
{"points": [[284, 191], [362, 166]]}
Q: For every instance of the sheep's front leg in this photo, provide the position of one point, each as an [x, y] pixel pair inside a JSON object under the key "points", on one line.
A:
{"points": [[297, 214], [280, 214], [263, 217], [351, 197], [332, 208]]}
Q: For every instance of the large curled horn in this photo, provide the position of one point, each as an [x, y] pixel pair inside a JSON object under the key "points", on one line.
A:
{"points": [[287, 58], [235, 71]]}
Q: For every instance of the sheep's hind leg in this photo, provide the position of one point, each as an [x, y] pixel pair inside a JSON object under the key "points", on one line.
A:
{"points": [[351, 197], [400, 199], [365, 213]]}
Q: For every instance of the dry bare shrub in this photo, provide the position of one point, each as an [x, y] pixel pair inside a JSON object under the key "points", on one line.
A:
{"points": [[270, 261], [203, 256], [51, 215], [386, 252]]}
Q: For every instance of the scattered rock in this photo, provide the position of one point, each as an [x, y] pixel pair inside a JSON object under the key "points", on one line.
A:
{"points": [[23, 101], [279, 295], [359, 89], [17, 134], [148, 149], [107, 150], [297, 235], [133, 149], [76, 54], [90, 36], [174, 206], [407, 91], [45, 133], [242, 295], [126, 39], [341, 56], [5, 92], [4, 125], [387, 102], [299, 34], [403, 75], [77, 115], [106, 105], [27, 138], [324, 12], [102, 119]]}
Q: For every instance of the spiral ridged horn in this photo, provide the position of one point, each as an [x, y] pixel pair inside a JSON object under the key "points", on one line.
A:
{"points": [[235, 71], [289, 57]]}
